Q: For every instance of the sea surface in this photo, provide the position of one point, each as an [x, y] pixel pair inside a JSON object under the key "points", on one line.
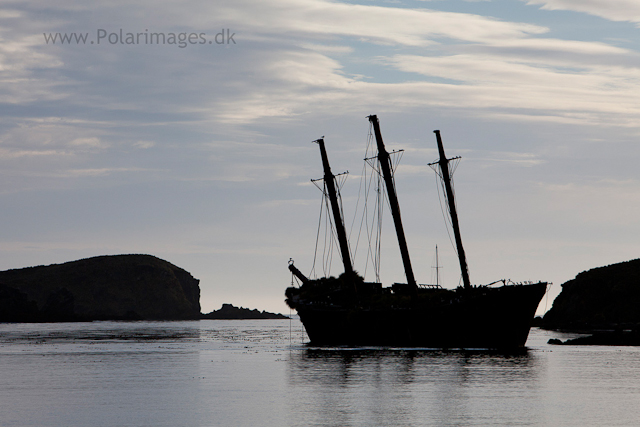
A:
{"points": [[260, 373]]}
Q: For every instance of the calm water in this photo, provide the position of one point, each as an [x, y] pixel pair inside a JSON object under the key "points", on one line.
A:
{"points": [[257, 373]]}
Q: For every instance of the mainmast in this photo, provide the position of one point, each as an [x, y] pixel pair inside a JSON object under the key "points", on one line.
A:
{"points": [[446, 178], [385, 165], [329, 180]]}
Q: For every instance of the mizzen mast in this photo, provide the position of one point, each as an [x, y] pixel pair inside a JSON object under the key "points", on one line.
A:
{"points": [[385, 165], [329, 180], [446, 178]]}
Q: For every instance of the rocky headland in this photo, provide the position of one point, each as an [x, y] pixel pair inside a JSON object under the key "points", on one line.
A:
{"points": [[117, 287], [601, 298], [603, 301]]}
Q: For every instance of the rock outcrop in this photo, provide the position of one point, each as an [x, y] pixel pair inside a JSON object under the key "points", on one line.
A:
{"points": [[229, 311], [614, 338], [118, 287], [601, 298]]}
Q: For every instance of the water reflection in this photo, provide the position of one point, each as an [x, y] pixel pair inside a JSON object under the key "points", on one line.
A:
{"points": [[401, 387], [60, 333], [99, 374]]}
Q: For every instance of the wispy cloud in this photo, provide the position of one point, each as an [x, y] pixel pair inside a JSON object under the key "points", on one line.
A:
{"points": [[80, 173], [614, 10], [13, 154]]}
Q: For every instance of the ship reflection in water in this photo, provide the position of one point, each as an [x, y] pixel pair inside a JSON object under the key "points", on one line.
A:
{"points": [[418, 387]]}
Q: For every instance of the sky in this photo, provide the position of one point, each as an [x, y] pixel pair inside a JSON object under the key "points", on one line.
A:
{"points": [[198, 150]]}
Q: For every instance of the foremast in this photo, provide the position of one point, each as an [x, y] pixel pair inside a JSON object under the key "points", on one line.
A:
{"points": [[385, 165], [329, 181], [446, 178]]}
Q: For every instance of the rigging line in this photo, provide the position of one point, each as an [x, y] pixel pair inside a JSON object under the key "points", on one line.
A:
{"points": [[364, 211], [363, 181], [381, 197], [372, 237], [342, 215], [335, 246], [374, 231], [355, 213], [330, 250], [375, 238], [396, 162], [324, 247], [365, 217], [369, 186], [333, 240], [369, 139], [328, 247], [444, 196], [315, 254], [446, 223], [375, 220], [367, 181], [365, 221], [438, 170], [456, 162]]}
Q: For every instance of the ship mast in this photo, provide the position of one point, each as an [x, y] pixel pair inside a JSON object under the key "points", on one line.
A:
{"points": [[385, 165], [329, 180], [446, 178]]}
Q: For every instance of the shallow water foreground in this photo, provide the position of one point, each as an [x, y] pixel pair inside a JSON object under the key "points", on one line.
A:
{"points": [[258, 373]]}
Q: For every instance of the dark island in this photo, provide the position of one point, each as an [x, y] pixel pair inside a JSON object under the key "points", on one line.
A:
{"points": [[604, 302], [118, 287], [230, 312]]}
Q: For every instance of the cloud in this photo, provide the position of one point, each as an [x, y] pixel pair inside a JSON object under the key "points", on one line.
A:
{"points": [[311, 59], [412, 27], [144, 144], [519, 159], [614, 10], [13, 154], [328, 49], [295, 59], [80, 173], [92, 142]]}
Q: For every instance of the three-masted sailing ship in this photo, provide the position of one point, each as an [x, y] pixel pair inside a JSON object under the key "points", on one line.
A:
{"points": [[347, 310]]}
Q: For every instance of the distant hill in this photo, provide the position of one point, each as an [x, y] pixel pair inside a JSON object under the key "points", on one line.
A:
{"points": [[118, 287], [601, 298], [228, 311]]}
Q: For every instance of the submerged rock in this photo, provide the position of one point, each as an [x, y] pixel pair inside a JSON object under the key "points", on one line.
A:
{"points": [[117, 287], [616, 338], [229, 311]]}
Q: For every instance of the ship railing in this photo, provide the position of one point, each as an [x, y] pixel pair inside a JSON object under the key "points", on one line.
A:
{"points": [[423, 286]]}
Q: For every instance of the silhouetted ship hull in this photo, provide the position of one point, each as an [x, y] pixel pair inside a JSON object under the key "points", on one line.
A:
{"points": [[481, 317], [349, 311]]}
